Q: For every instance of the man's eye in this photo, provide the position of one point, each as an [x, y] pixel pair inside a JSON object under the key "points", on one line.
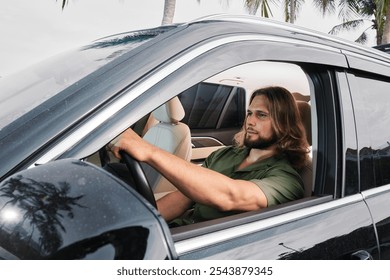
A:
{"points": [[262, 115]]}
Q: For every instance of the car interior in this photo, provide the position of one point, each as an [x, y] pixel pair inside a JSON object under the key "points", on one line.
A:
{"points": [[206, 116]]}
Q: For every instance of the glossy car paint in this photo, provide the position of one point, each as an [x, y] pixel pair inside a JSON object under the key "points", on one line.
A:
{"points": [[69, 209], [315, 232], [377, 200]]}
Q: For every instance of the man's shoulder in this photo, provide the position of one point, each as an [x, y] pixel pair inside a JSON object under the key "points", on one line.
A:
{"points": [[281, 163]]}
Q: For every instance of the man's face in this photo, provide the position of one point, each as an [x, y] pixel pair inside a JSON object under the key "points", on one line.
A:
{"points": [[259, 132]]}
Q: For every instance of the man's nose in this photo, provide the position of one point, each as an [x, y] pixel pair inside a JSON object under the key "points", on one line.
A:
{"points": [[250, 120]]}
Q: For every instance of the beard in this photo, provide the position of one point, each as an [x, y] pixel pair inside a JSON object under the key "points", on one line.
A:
{"points": [[260, 142]]}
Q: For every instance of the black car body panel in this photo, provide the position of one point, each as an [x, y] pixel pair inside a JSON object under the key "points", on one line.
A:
{"points": [[47, 147], [378, 204], [69, 209], [314, 228]]}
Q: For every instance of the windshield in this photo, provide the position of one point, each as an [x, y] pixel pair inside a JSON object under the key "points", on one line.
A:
{"points": [[23, 91]]}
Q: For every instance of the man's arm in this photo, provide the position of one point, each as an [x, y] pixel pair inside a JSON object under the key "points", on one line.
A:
{"points": [[199, 184], [173, 205]]}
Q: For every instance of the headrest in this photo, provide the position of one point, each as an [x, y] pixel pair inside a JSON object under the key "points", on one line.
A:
{"points": [[170, 112], [300, 97], [305, 112]]}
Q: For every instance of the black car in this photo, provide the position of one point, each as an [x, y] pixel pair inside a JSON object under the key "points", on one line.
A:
{"points": [[57, 118]]}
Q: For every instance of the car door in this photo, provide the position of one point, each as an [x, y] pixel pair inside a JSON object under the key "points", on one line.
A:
{"points": [[329, 225], [371, 100]]}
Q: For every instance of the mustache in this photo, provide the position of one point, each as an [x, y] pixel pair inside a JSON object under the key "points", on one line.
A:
{"points": [[249, 129]]}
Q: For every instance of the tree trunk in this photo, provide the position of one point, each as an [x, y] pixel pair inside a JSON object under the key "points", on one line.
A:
{"points": [[386, 26], [292, 11], [169, 12]]}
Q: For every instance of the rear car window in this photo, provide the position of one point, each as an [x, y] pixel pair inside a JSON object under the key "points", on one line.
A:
{"points": [[371, 105], [212, 106]]}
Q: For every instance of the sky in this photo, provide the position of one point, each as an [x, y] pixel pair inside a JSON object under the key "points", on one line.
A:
{"points": [[32, 30]]}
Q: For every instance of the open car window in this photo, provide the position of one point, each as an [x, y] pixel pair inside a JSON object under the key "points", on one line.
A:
{"points": [[215, 108]]}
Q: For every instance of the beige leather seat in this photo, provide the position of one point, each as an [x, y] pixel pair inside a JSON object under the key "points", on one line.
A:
{"points": [[305, 111], [170, 135], [307, 171]]}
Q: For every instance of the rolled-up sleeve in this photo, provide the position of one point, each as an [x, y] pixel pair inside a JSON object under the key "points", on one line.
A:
{"points": [[281, 186]]}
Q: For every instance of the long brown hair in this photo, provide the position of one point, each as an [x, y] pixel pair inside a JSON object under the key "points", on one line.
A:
{"points": [[286, 123]]}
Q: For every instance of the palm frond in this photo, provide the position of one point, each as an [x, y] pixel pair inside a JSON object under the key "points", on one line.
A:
{"points": [[346, 26], [349, 10], [367, 7], [266, 9], [363, 38], [325, 6], [252, 6]]}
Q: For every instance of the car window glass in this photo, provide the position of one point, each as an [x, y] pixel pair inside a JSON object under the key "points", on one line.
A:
{"points": [[234, 110], [23, 91], [371, 104], [213, 106]]}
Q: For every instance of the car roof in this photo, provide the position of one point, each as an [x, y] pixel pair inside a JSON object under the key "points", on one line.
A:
{"points": [[310, 35]]}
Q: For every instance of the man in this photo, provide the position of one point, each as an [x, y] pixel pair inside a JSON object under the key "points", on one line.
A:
{"points": [[258, 171]]}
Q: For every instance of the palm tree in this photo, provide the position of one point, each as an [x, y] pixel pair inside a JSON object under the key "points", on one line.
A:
{"points": [[353, 15], [291, 8], [383, 6], [64, 2], [169, 12], [373, 11], [253, 6]]}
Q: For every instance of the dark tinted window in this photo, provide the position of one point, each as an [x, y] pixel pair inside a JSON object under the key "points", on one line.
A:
{"points": [[211, 106], [372, 103]]}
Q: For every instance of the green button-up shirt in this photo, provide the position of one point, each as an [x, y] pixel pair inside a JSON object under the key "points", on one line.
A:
{"points": [[279, 181]]}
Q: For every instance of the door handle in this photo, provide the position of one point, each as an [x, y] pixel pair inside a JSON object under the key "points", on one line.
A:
{"points": [[361, 255]]}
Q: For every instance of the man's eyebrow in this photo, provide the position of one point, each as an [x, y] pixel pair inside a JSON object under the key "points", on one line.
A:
{"points": [[256, 111]]}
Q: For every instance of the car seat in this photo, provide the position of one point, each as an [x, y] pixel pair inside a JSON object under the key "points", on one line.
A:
{"points": [[306, 171], [170, 135]]}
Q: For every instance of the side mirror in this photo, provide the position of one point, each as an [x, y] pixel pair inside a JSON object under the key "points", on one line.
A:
{"points": [[69, 209]]}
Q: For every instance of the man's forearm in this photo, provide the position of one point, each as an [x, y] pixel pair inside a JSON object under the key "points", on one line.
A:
{"points": [[173, 205]]}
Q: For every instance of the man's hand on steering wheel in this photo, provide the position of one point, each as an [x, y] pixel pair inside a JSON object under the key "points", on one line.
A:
{"points": [[129, 147]]}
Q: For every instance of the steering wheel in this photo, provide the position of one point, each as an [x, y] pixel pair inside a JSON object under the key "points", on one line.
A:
{"points": [[142, 185]]}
